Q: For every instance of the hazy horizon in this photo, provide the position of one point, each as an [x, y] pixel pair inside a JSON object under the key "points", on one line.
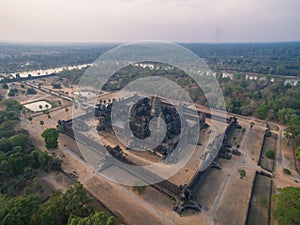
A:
{"points": [[121, 21], [124, 42]]}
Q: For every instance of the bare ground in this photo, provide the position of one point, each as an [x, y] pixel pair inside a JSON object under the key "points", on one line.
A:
{"points": [[270, 144], [235, 200], [253, 143], [259, 210]]}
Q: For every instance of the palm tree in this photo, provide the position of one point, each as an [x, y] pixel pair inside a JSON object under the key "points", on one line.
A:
{"points": [[42, 123], [40, 106], [47, 106], [30, 119]]}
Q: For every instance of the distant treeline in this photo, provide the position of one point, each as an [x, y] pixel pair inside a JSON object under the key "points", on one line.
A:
{"points": [[18, 78], [265, 58], [17, 58]]}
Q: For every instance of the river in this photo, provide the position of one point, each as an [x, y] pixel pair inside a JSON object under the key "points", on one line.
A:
{"points": [[36, 73]]}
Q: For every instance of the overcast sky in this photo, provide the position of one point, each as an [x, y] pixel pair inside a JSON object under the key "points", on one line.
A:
{"points": [[134, 20]]}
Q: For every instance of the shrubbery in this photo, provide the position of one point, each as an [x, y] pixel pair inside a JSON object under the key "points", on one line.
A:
{"points": [[270, 154]]}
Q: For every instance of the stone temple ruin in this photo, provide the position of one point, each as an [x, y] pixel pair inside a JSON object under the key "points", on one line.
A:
{"points": [[140, 115], [138, 122]]}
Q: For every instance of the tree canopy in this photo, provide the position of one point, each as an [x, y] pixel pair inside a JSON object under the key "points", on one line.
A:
{"points": [[50, 136], [20, 167], [99, 218], [270, 154], [298, 152], [61, 209], [287, 202], [18, 210]]}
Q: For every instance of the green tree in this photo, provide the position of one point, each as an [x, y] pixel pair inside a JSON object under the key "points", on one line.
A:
{"points": [[298, 153], [99, 218], [270, 154], [61, 206], [247, 110], [292, 131], [12, 105], [18, 210], [50, 136], [262, 111], [60, 128], [286, 114], [242, 173], [286, 171], [17, 162], [13, 92], [5, 145], [18, 140], [287, 206], [67, 110], [251, 125], [5, 86]]}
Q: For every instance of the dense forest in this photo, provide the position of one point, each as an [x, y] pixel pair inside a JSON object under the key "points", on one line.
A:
{"points": [[265, 99], [287, 202], [264, 58], [22, 195], [20, 57]]}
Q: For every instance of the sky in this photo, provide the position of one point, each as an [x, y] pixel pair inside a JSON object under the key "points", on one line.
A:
{"points": [[135, 20]]}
